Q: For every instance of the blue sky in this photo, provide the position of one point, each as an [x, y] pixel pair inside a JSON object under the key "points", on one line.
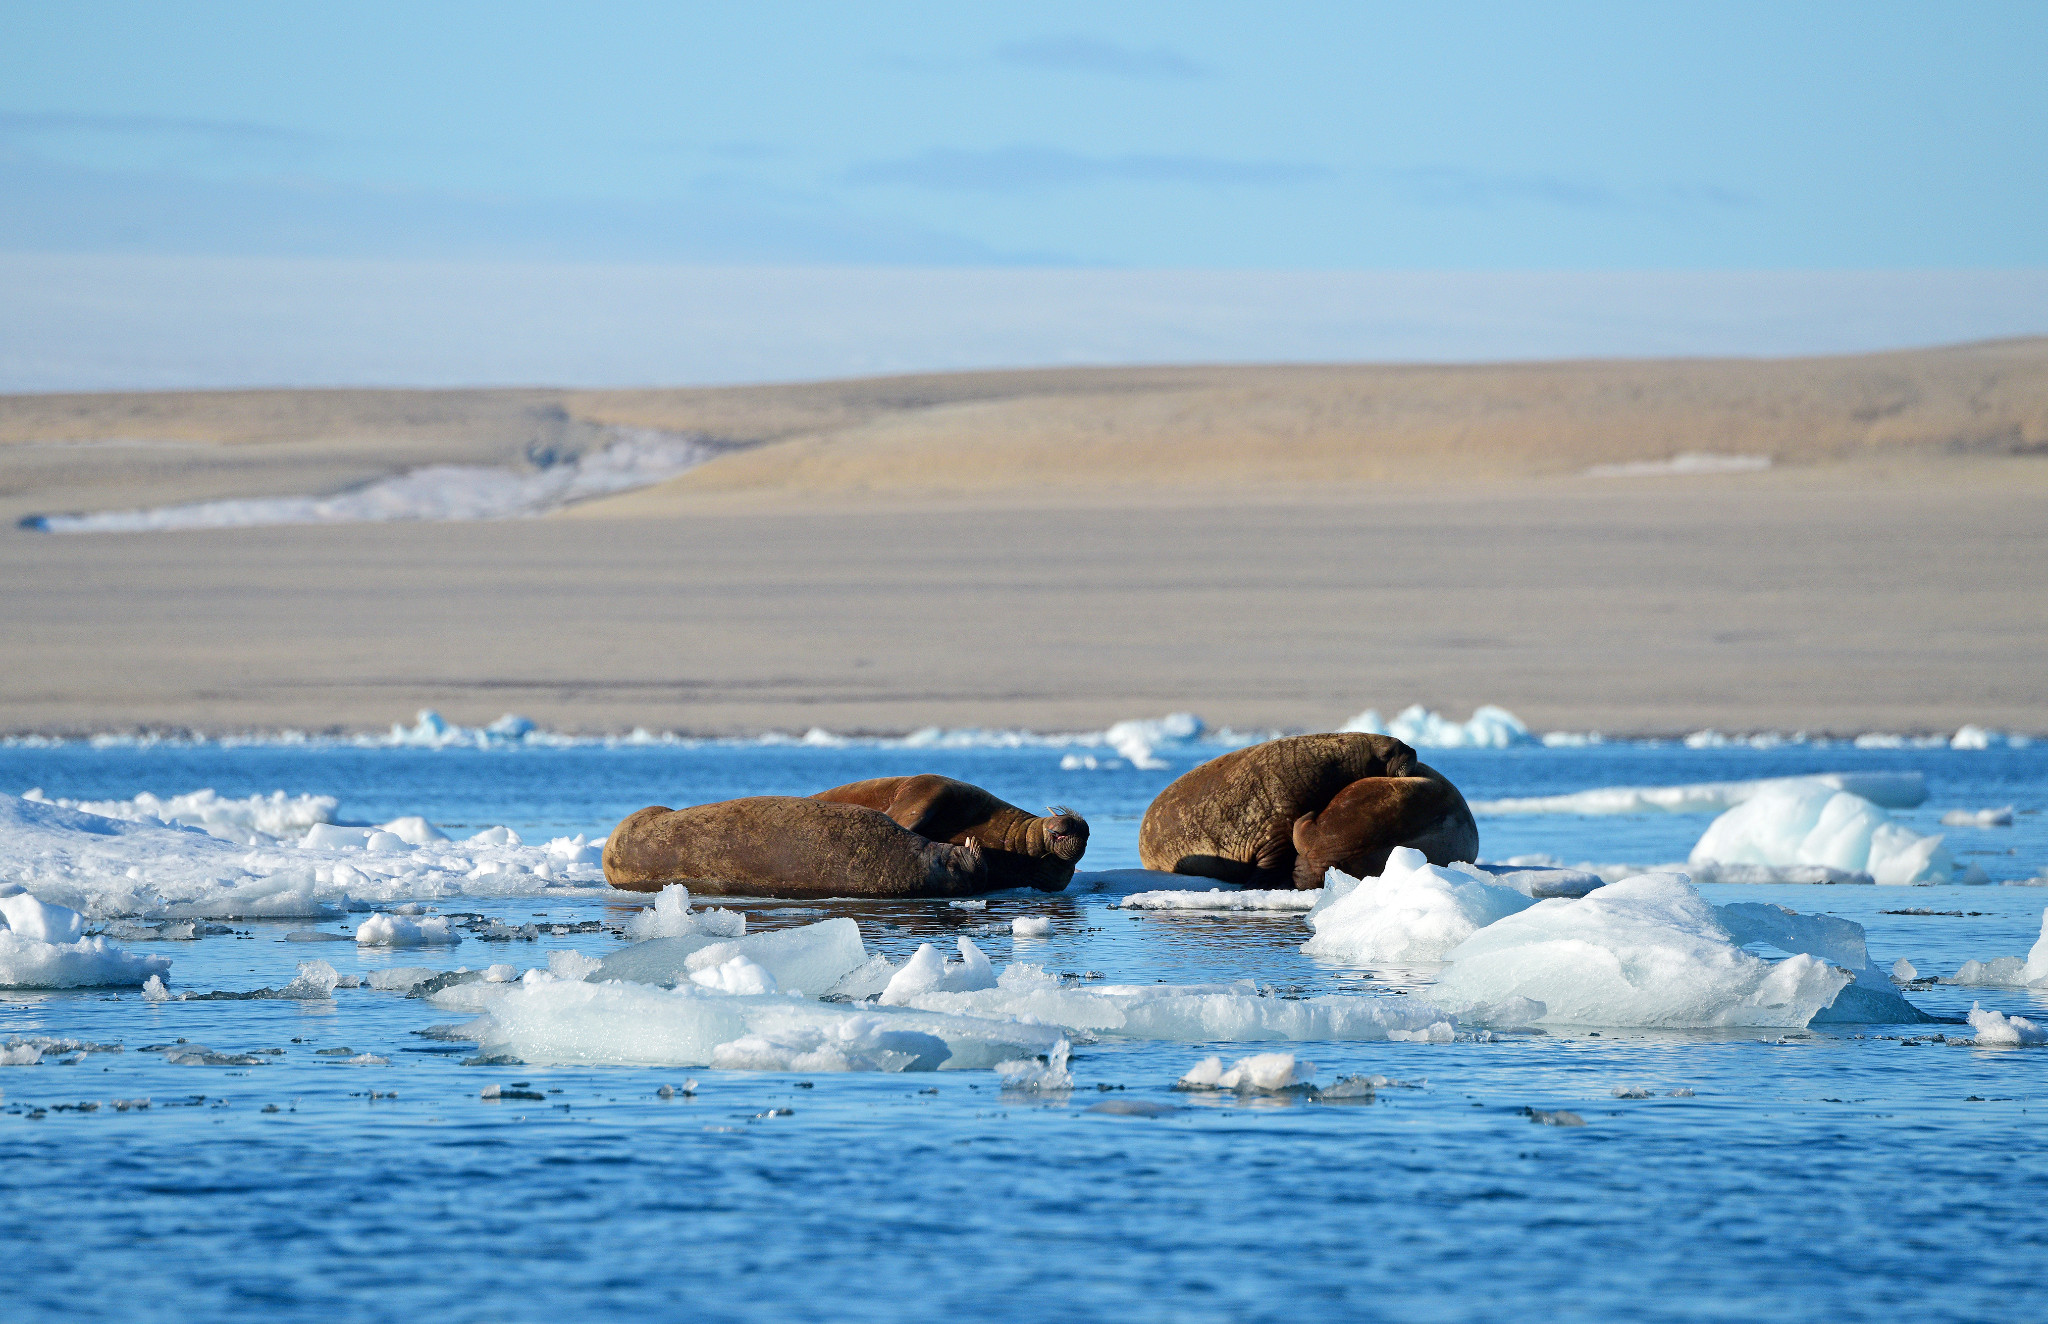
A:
{"points": [[1468, 137]]}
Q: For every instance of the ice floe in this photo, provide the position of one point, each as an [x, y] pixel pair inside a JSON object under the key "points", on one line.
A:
{"points": [[929, 972], [671, 917], [1048, 1076], [1030, 926], [1984, 818], [251, 820], [550, 1021], [1413, 911], [811, 958], [43, 946], [108, 866], [1489, 727], [1685, 464], [634, 457], [1283, 900], [1893, 790], [1644, 951], [1801, 822], [398, 931]]}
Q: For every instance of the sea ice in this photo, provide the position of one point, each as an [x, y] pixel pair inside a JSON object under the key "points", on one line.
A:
{"points": [[401, 979], [1030, 926], [1414, 911], [1645, 951], [1871, 999], [1538, 884], [1189, 1013], [928, 972], [109, 867], [250, 821], [1685, 464], [38, 920], [398, 931], [1490, 727], [1993, 1028], [564, 1022], [1893, 790], [87, 963], [810, 958], [572, 965], [1903, 971], [1261, 1073], [1139, 739], [1808, 822], [1217, 898]]}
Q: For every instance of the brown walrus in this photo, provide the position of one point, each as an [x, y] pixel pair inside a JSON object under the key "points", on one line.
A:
{"points": [[1279, 814], [1020, 849], [787, 846]]}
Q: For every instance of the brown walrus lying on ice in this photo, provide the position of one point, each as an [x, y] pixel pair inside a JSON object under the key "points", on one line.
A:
{"points": [[1279, 814], [787, 846], [1020, 849]]}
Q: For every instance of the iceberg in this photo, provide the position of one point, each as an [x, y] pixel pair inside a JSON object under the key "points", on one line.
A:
{"points": [[1808, 822], [563, 1022], [1645, 951], [1414, 911], [1893, 790], [1489, 727]]}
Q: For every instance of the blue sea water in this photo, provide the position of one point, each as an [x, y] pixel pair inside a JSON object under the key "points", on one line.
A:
{"points": [[1840, 1173]]}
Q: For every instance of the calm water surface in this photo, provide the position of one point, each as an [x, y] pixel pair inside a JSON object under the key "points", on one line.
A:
{"points": [[1841, 1173]]}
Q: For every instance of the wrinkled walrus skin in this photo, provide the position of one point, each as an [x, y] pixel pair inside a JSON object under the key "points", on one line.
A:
{"points": [[786, 846], [1021, 849], [1279, 814]]}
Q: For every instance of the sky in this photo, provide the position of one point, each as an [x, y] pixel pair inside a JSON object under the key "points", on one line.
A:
{"points": [[1343, 137]]}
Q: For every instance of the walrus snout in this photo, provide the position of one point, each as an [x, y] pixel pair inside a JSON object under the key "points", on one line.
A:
{"points": [[1066, 834]]}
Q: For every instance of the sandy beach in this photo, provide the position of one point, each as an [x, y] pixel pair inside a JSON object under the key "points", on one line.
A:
{"points": [[1272, 547]]}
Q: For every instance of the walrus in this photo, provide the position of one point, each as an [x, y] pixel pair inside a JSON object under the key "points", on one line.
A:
{"points": [[1020, 849], [787, 846], [1279, 814]]}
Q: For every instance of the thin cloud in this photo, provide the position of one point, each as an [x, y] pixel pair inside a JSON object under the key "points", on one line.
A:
{"points": [[1090, 55], [1019, 169]]}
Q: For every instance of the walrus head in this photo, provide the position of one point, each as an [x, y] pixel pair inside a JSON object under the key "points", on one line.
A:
{"points": [[1066, 833]]}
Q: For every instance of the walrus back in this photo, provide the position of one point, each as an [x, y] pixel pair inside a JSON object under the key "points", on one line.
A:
{"points": [[786, 846]]}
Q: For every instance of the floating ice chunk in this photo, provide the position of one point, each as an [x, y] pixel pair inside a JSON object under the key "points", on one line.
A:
{"points": [[494, 836], [153, 990], [810, 958], [1804, 822], [38, 920], [401, 979], [1261, 1073], [737, 975], [1030, 926], [87, 963], [1977, 737], [500, 974], [1641, 952], [561, 1022], [671, 917], [1904, 971], [1050, 1076], [1869, 1000], [1893, 790], [1414, 911], [381, 842], [1218, 898], [968, 905], [864, 981], [1993, 1028], [1978, 817], [928, 972], [2010, 971], [578, 849], [1184, 1013], [315, 982], [415, 830], [1490, 727], [572, 965], [398, 931]]}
